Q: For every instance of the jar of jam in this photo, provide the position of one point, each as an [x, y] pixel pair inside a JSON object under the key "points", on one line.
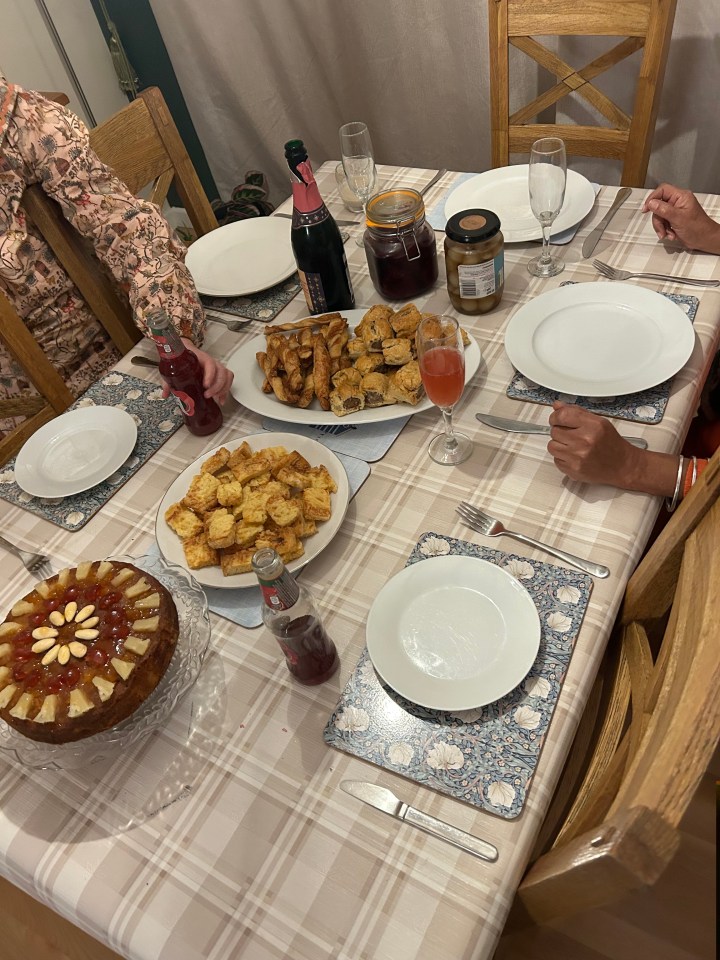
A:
{"points": [[474, 261], [399, 245]]}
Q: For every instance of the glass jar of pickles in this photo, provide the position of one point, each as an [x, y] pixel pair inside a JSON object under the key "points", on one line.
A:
{"points": [[474, 261], [400, 245]]}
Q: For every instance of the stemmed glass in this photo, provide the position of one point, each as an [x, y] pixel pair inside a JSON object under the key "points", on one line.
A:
{"points": [[358, 162], [441, 356], [548, 175]]}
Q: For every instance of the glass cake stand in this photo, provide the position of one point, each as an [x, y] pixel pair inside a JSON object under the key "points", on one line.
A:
{"points": [[181, 674]]}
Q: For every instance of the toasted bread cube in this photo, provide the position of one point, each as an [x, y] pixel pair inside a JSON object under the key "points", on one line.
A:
{"points": [[247, 533], [216, 462], [230, 494], [243, 452], [236, 560], [236, 511], [202, 494], [294, 478], [283, 540], [316, 503], [221, 531], [320, 477], [282, 511], [208, 517], [293, 553], [274, 453], [225, 476], [253, 508], [248, 469], [183, 521], [260, 481], [198, 553]]}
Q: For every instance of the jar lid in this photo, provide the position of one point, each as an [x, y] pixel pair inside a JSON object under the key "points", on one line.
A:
{"points": [[472, 226], [395, 208]]}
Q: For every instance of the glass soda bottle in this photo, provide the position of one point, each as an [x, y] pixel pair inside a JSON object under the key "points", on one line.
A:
{"points": [[316, 241], [181, 370], [289, 613]]}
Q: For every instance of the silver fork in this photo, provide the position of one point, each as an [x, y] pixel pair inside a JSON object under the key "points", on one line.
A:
{"points": [[233, 325], [614, 273], [38, 564], [490, 527]]}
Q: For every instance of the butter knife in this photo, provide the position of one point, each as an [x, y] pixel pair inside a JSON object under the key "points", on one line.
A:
{"points": [[591, 241], [385, 800], [520, 426]]}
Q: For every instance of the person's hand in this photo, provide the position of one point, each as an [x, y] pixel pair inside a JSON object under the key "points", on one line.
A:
{"points": [[587, 447], [677, 215], [217, 379]]}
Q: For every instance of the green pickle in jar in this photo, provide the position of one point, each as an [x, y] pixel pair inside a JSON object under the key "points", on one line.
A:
{"points": [[474, 261]]}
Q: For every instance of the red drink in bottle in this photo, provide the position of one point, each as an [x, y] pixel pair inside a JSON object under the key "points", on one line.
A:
{"points": [[443, 375], [181, 370]]}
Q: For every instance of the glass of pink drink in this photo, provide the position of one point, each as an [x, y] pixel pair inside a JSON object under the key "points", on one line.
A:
{"points": [[441, 356]]}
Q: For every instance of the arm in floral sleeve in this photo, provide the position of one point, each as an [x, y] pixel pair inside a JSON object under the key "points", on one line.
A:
{"points": [[130, 236]]}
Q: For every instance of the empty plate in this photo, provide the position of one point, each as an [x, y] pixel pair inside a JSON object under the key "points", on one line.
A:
{"points": [[75, 451], [242, 257], [453, 633]]}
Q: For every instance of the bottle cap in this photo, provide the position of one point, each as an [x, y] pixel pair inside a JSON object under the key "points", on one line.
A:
{"points": [[472, 226], [295, 151]]}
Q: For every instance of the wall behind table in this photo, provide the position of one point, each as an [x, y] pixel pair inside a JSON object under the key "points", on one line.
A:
{"points": [[255, 73]]}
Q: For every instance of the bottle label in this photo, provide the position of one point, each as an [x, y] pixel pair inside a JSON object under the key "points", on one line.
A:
{"points": [[280, 594], [184, 401], [314, 291], [481, 279], [161, 343], [309, 218]]}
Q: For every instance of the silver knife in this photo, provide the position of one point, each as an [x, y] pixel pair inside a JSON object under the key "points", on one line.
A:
{"points": [[385, 800], [591, 241], [520, 426]]}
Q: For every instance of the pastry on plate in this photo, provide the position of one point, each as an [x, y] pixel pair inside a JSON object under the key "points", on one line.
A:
{"points": [[375, 387]]}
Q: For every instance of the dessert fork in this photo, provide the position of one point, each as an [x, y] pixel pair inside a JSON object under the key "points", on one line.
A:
{"points": [[614, 273], [490, 527], [38, 564]]}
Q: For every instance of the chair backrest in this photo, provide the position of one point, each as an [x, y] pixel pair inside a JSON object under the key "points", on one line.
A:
{"points": [[53, 396], [644, 24], [142, 145], [656, 728]]}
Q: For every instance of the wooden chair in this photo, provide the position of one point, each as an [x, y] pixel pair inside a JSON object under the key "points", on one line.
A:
{"points": [[54, 397], [142, 145], [644, 24], [654, 723]]}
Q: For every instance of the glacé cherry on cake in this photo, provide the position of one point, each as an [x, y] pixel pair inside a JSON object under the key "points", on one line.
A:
{"points": [[84, 649]]}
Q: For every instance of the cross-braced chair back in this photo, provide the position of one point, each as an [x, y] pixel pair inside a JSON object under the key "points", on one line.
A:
{"points": [[643, 24]]}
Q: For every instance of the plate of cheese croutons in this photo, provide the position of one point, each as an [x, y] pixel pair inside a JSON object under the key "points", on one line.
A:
{"points": [[276, 490], [358, 365]]}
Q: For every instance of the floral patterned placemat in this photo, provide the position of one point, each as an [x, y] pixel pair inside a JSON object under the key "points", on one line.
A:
{"points": [[486, 757], [263, 306], [156, 420], [647, 406]]}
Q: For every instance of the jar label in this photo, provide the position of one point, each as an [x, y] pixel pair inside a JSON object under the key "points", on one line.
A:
{"points": [[478, 280]]}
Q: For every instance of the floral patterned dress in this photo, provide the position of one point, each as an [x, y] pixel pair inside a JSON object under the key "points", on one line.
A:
{"points": [[42, 142]]}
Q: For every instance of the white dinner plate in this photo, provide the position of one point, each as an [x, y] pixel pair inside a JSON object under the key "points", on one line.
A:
{"points": [[315, 453], [453, 633], [599, 339], [242, 257], [75, 451], [505, 192], [247, 388]]}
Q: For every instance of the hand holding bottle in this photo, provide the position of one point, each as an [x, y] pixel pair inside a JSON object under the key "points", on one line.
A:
{"points": [[217, 379]]}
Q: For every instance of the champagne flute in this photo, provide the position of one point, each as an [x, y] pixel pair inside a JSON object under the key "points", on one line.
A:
{"points": [[441, 356], [358, 162], [547, 179]]}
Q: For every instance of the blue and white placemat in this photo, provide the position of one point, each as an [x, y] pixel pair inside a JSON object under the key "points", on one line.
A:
{"points": [[486, 757], [366, 441], [263, 306], [156, 420], [647, 406], [437, 219], [244, 607]]}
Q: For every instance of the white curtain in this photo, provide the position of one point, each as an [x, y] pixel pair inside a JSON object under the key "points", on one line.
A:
{"points": [[256, 73]]}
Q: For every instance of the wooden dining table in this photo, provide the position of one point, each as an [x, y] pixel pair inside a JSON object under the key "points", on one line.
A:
{"points": [[225, 834]]}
